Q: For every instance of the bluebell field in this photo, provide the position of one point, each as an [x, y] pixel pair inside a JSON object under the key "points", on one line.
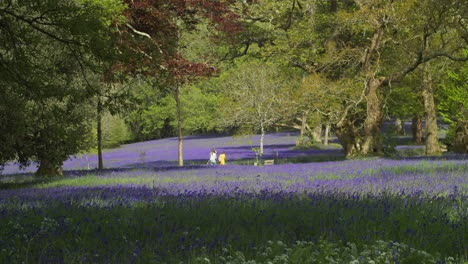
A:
{"points": [[145, 209]]}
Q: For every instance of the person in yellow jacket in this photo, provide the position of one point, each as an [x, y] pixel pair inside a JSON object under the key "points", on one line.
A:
{"points": [[222, 158]]}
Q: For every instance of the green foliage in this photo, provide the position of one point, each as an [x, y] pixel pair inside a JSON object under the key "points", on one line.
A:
{"points": [[200, 108], [325, 252], [114, 131], [453, 95], [155, 109], [155, 114], [47, 48], [256, 94], [405, 98]]}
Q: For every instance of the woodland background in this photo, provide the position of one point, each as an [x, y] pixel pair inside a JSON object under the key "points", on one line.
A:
{"points": [[80, 75]]}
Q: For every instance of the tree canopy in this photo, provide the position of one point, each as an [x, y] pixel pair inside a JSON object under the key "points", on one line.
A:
{"points": [[348, 64]]}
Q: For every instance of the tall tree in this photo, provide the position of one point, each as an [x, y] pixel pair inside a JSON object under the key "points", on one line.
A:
{"points": [[45, 50], [375, 42], [157, 25], [432, 131], [256, 96]]}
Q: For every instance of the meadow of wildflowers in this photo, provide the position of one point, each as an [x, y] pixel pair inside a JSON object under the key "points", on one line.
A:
{"points": [[144, 209]]}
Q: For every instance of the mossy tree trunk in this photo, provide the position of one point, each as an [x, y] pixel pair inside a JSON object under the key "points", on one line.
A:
{"points": [[49, 169], [417, 131], [432, 138], [460, 143]]}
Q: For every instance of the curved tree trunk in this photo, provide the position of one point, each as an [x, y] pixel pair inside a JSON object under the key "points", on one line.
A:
{"points": [[349, 139], [432, 138], [416, 127], [48, 169]]}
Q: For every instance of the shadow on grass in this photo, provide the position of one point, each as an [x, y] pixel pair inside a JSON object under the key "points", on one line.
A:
{"points": [[24, 180], [444, 156], [241, 220]]}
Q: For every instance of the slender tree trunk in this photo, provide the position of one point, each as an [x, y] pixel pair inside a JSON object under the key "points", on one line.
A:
{"points": [[399, 129], [179, 126], [99, 134], [327, 131], [416, 127], [432, 138], [373, 139], [48, 169], [262, 138]]}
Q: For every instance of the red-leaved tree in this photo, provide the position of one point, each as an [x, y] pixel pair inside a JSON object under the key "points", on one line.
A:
{"points": [[149, 39]]}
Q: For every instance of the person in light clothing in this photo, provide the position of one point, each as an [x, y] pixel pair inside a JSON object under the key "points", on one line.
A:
{"points": [[213, 157], [222, 158]]}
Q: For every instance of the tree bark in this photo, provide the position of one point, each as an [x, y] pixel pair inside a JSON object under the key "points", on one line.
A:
{"points": [[327, 131], [303, 127], [432, 138], [416, 127], [317, 133], [349, 139], [460, 141], [179, 127], [262, 138], [99, 134], [48, 169], [399, 127], [373, 139]]}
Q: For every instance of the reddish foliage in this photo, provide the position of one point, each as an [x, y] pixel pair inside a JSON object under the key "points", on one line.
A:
{"points": [[161, 20]]}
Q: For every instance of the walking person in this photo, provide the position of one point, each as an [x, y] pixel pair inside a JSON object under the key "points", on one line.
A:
{"points": [[213, 157], [222, 158]]}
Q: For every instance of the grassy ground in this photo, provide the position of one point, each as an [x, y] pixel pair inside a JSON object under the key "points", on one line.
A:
{"points": [[312, 206], [131, 217]]}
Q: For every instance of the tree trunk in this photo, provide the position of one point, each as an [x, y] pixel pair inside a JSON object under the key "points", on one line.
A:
{"points": [[432, 138], [348, 138], [373, 139], [179, 127], [327, 131], [48, 169], [317, 133], [399, 127], [99, 134], [460, 141], [416, 127], [262, 138], [303, 127]]}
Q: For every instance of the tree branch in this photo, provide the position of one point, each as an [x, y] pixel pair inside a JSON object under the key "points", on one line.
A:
{"points": [[32, 24]]}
